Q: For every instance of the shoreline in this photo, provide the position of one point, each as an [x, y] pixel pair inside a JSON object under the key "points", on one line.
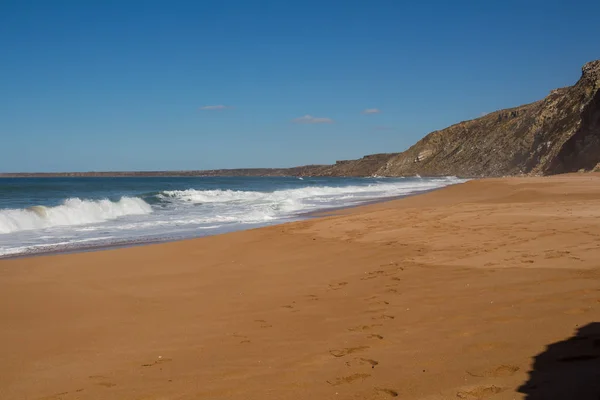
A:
{"points": [[331, 212], [325, 212], [456, 293]]}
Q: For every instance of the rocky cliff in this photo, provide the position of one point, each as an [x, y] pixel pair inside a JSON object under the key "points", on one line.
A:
{"points": [[558, 134]]}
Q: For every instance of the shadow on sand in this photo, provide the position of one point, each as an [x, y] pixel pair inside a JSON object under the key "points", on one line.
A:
{"points": [[569, 369]]}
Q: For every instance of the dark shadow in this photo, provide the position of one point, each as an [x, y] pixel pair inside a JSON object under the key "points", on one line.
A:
{"points": [[569, 369]]}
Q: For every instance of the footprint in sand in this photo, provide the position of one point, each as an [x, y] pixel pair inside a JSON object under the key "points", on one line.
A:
{"points": [[557, 253], [159, 360], [502, 370], [384, 316], [389, 392], [375, 336], [346, 351], [57, 396], [243, 337], [366, 278], [362, 361], [290, 306], [479, 392], [390, 264], [382, 302], [376, 310], [348, 379], [102, 381], [363, 327], [370, 361], [337, 286], [263, 323], [373, 275]]}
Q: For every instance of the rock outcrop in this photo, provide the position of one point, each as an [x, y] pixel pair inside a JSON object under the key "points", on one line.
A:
{"points": [[558, 134]]}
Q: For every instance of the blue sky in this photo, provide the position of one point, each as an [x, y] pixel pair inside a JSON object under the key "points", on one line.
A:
{"points": [[121, 85]]}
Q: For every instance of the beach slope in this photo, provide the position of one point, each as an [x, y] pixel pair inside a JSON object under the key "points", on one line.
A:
{"points": [[456, 293]]}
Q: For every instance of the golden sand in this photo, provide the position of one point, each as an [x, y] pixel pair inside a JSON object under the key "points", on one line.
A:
{"points": [[446, 295]]}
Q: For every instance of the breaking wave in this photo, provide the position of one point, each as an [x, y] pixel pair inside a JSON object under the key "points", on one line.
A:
{"points": [[73, 211], [148, 213], [295, 197]]}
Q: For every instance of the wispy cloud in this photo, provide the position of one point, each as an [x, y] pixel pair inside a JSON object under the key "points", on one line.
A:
{"points": [[217, 107], [371, 111], [309, 119]]}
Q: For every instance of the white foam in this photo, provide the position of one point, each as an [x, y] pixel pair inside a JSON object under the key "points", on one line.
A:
{"points": [[183, 213], [249, 207], [299, 198], [317, 194], [72, 211]]}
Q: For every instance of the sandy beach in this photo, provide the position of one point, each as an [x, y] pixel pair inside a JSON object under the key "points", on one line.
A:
{"points": [[455, 293]]}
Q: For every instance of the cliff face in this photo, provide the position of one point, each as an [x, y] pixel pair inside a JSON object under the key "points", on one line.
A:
{"points": [[558, 134], [366, 166]]}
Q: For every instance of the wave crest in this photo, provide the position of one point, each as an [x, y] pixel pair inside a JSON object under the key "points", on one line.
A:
{"points": [[73, 211]]}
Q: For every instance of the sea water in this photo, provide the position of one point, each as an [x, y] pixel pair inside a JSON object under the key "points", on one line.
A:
{"points": [[39, 215]]}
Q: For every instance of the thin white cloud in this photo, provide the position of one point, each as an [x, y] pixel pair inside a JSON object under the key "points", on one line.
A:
{"points": [[371, 111], [309, 119], [217, 107]]}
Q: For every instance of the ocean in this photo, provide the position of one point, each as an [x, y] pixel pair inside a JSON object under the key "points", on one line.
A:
{"points": [[41, 215]]}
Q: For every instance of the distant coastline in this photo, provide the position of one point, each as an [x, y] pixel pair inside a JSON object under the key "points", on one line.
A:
{"points": [[296, 171], [365, 166]]}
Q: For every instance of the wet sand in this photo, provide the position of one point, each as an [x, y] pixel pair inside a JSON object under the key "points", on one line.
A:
{"points": [[445, 295]]}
